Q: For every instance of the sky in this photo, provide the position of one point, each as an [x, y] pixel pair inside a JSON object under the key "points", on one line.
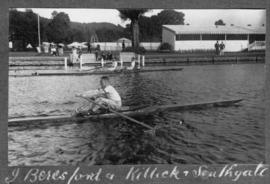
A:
{"points": [[240, 17]]}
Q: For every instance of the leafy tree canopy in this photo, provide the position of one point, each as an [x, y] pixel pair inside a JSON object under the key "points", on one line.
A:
{"points": [[170, 17], [58, 28], [131, 14], [24, 26], [220, 23], [151, 27]]}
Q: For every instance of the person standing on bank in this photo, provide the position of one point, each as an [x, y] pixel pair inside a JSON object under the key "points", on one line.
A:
{"points": [[222, 47], [123, 45], [217, 47], [89, 47], [53, 50], [97, 51]]}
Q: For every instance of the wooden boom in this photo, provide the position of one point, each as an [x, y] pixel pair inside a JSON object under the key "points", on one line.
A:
{"points": [[129, 112], [106, 72]]}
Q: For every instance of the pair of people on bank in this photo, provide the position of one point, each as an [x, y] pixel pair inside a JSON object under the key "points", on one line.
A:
{"points": [[219, 47]]}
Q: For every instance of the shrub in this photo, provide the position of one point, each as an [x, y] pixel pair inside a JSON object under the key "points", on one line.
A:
{"points": [[165, 46], [139, 50]]}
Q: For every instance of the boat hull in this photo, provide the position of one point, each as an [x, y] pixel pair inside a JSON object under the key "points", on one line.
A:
{"points": [[132, 113]]}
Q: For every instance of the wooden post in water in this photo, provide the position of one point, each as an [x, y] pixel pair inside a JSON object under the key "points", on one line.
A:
{"points": [[121, 62], [81, 64], [38, 32], [139, 61], [143, 61], [65, 63], [102, 62]]}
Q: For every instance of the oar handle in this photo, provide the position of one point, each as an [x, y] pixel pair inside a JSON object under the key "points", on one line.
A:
{"points": [[119, 114]]}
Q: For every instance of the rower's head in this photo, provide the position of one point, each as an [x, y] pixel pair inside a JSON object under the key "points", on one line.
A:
{"points": [[104, 81]]}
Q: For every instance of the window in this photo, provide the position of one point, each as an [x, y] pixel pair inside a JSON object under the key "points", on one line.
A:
{"points": [[177, 37], [257, 37], [237, 37], [188, 37], [213, 37]]}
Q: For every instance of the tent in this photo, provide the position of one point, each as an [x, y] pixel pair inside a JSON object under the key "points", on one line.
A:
{"points": [[127, 42], [61, 44], [29, 46], [124, 39], [77, 45], [45, 43]]}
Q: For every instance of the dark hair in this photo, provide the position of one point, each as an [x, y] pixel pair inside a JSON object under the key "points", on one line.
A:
{"points": [[105, 78]]}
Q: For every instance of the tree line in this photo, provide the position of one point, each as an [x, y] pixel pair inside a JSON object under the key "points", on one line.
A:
{"points": [[23, 26]]}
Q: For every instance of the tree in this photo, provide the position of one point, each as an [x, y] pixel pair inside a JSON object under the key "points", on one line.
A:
{"points": [[220, 23], [23, 27], [151, 27], [107, 35], [133, 15], [76, 35], [171, 17], [146, 28], [58, 28], [54, 13]]}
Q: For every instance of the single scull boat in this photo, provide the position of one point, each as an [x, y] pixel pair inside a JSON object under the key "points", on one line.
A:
{"points": [[128, 111]]}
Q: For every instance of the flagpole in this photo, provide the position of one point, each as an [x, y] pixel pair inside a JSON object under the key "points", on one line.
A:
{"points": [[38, 31]]}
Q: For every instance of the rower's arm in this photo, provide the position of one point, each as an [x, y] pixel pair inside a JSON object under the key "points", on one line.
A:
{"points": [[91, 93]]}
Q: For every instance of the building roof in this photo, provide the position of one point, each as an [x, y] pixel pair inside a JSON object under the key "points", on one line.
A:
{"points": [[191, 29]]}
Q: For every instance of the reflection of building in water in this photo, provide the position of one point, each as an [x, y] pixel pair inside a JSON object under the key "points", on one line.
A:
{"points": [[188, 37]]}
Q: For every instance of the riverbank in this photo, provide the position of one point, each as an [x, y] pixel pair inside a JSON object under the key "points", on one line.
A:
{"points": [[149, 54], [29, 62]]}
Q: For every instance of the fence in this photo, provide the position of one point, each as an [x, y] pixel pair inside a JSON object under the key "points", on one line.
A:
{"points": [[256, 45], [111, 46], [150, 45], [116, 46]]}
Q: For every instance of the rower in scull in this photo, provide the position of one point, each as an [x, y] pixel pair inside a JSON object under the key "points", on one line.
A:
{"points": [[105, 96]]}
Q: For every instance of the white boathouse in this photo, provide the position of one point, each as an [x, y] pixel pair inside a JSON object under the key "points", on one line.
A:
{"points": [[190, 37]]}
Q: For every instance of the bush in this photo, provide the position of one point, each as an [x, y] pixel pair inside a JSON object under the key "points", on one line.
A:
{"points": [[165, 46], [139, 50]]}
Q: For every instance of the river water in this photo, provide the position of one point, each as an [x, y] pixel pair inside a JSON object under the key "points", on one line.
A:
{"points": [[207, 136]]}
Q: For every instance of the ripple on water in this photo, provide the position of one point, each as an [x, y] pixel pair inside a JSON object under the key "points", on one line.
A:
{"points": [[207, 136]]}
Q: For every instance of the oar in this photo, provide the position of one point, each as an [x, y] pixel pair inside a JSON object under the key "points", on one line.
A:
{"points": [[94, 68], [122, 115]]}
